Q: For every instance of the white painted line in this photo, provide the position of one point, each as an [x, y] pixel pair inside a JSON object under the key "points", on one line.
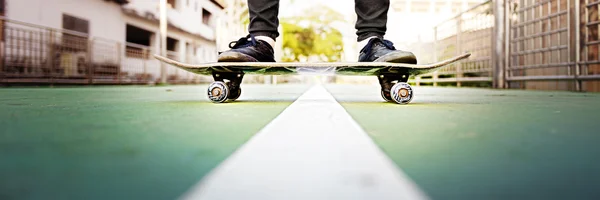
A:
{"points": [[312, 150]]}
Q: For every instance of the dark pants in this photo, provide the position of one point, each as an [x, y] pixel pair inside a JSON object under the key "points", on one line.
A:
{"points": [[371, 17]]}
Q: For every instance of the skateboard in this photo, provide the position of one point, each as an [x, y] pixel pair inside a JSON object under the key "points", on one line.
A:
{"points": [[393, 77]]}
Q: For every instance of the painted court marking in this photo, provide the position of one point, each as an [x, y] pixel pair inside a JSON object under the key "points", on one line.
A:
{"points": [[312, 150]]}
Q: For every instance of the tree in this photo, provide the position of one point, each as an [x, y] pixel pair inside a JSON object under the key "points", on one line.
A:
{"points": [[313, 36]]}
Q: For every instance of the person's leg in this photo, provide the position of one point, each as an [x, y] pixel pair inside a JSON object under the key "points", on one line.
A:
{"points": [[264, 18], [370, 28], [258, 45], [371, 18]]}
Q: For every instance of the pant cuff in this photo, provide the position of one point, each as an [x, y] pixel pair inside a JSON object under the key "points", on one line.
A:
{"points": [[364, 36], [268, 34]]}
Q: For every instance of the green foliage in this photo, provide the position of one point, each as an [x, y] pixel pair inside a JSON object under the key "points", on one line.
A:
{"points": [[312, 36]]}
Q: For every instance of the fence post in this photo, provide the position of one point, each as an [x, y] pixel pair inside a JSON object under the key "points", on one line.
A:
{"points": [[507, 35], [163, 39], [29, 62], [578, 82], [435, 56], [89, 61], [2, 48], [119, 63], [418, 80], [145, 59], [498, 42], [51, 56], [2, 55], [458, 48]]}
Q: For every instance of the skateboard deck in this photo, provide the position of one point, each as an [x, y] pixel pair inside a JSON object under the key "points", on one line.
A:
{"points": [[287, 68], [393, 77]]}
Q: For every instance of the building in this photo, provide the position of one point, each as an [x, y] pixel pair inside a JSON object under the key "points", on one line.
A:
{"points": [[191, 33], [106, 39]]}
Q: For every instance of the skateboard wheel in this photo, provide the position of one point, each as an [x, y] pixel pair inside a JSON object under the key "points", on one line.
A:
{"points": [[401, 93], [235, 94], [386, 96], [218, 92]]}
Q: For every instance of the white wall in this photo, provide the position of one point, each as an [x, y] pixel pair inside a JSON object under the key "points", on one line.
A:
{"points": [[183, 16], [105, 18]]}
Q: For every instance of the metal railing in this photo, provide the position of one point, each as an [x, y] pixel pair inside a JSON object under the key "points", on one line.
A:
{"points": [[587, 70], [553, 44], [470, 31], [31, 53], [527, 44], [541, 44]]}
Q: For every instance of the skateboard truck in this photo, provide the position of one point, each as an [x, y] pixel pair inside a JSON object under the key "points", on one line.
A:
{"points": [[225, 87], [394, 87]]}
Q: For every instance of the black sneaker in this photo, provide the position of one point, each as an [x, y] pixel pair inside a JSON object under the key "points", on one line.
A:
{"points": [[248, 49], [380, 50]]}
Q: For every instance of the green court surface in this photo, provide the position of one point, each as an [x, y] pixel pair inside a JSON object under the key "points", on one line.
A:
{"points": [[120, 142], [487, 144], [123, 142]]}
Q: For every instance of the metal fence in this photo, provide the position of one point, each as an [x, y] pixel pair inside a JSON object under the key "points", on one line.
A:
{"points": [[540, 46], [587, 71], [470, 31], [526, 44], [35, 54]]}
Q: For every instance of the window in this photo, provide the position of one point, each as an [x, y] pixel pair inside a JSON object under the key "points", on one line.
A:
{"points": [[398, 6], [441, 7], [75, 24], [138, 42], [75, 42], [172, 3], [420, 7], [188, 48], [172, 45], [456, 7], [2, 7], [206, 16]]}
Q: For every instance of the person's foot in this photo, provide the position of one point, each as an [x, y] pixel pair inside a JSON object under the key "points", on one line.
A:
{"points": [[380, 50], [248, 49]]}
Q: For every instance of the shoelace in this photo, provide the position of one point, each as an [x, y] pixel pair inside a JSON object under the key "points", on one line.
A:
{"points": [[243, 42], [388, 44]]}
